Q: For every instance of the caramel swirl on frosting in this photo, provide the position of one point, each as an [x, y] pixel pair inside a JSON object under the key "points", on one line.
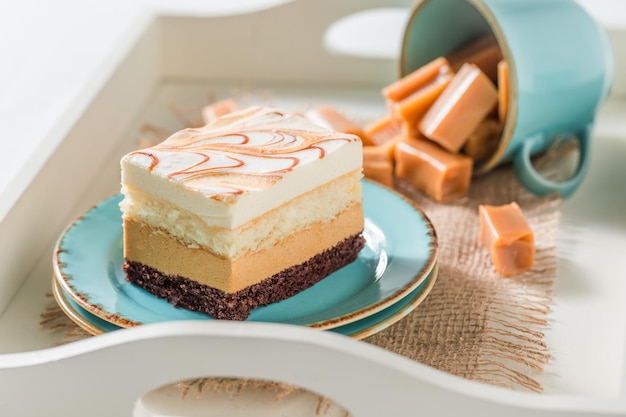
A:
{"points": [[243, 151]]}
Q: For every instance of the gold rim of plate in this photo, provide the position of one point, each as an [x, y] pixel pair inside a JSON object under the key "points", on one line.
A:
{"points": [[89, 327]]}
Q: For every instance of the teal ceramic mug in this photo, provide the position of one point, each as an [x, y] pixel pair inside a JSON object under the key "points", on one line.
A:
{"points": [[560, 71]]}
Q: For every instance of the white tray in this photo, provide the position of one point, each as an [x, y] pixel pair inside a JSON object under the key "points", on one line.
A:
{"points": [[180, 59]]}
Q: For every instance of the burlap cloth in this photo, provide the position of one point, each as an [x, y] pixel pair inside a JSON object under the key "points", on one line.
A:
{"points": [[475, 323]]}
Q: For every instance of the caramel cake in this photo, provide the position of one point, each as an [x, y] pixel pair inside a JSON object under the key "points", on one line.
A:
{"points": [[243, 212]]}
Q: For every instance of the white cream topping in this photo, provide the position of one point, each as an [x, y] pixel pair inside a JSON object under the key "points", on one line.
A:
{"points": [[242, 165]]}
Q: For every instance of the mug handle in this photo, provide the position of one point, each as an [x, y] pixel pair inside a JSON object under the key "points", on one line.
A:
{"points": [[538, 184]]}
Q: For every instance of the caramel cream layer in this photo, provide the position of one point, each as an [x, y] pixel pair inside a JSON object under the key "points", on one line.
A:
{"points": [[157, 249], [319, 205], [242, 165]]}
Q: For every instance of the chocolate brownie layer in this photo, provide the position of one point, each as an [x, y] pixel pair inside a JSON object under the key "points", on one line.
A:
{"points": [[182, 292]]}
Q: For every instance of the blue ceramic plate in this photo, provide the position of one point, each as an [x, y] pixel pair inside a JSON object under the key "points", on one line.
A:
{"points": [[83, 318], [373, 324], [359, 329], [400, 252]]}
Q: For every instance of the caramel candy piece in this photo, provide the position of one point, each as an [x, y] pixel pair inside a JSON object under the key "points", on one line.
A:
{"points": [[381, 131], [484, 52], [503, 90], [331, 118], [378, 164], [484, 141], [458, 111], [507, 236], [421, 77], [381, 172], [428, 167], [412, 109], [218, 109], [387, 148]]}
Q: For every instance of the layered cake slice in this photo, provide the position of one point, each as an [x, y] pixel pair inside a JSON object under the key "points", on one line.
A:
{"points": [[243, 212]]}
